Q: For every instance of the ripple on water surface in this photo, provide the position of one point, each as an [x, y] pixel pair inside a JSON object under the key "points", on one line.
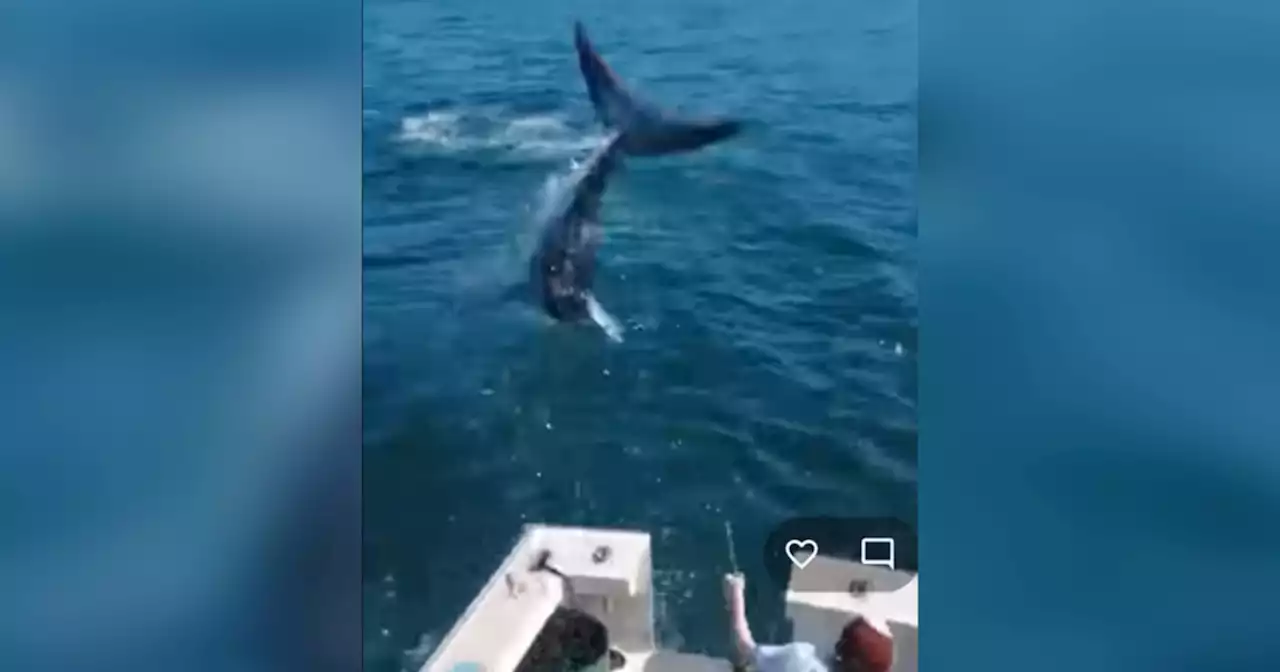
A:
{"points": [[767, 285]]}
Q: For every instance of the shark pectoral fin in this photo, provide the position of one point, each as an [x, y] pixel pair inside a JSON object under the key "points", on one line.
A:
{"points": [[605, 321]]}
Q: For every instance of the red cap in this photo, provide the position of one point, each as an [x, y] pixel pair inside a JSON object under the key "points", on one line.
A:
{"points": [[864, 648]]}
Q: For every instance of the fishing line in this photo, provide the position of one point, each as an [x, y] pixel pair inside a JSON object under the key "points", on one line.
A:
{"points": [[733, 555]]}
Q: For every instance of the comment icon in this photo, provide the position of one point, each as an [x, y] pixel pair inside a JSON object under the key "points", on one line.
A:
{"points": [[878, 551]]}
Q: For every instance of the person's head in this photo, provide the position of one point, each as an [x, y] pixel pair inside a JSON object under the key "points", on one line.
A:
{"points": [[863, 648]]}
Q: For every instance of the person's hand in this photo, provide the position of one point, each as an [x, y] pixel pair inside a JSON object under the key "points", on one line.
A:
{"points": [[734, 587]]}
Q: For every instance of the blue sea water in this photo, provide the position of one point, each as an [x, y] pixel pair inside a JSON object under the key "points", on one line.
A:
{"points": [[767, 284]]}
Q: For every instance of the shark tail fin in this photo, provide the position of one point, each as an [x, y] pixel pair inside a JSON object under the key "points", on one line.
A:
{"points": [[644, 130]]}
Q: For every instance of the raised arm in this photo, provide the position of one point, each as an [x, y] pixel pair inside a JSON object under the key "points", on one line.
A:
{"points": [[735, 601]]}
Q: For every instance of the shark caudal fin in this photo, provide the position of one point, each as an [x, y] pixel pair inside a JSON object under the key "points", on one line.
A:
{"points": [[645, 130]]}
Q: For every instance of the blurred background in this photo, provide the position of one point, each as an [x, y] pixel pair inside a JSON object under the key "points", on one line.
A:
{"points": [[179, 336], [1098, 357], [178, 326]]}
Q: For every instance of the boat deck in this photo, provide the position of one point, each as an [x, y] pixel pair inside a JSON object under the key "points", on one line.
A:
{"points": [[610, 572]]}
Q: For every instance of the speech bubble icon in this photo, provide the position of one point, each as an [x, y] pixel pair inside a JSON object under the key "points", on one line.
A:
{"points": [[878, 551], [801, 552]]}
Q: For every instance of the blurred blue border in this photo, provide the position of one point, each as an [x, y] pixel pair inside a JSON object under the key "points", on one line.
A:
{"points": [[180, 340], [1098, 453]]}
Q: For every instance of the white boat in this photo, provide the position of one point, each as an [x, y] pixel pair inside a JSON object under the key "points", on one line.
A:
{"points": [[557, 579]]}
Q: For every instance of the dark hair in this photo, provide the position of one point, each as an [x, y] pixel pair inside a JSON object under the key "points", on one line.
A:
{"points": [[862, 648]]}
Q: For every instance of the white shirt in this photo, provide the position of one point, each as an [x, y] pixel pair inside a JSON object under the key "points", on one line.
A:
{"points": [[794, 657]]}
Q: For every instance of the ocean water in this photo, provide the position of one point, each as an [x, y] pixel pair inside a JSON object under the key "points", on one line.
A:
{"points": [[767, 285]]}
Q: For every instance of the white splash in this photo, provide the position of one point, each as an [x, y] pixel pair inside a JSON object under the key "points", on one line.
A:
{"points": [[438, 128], [535, 136]]}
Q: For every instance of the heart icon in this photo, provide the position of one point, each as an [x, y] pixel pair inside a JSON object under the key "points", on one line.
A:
{"points": [[801, 552]]}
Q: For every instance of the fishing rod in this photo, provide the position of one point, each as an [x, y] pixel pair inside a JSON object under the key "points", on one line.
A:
{"points": [[733, 555]]}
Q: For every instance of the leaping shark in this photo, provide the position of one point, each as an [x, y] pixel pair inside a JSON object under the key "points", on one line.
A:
{"points": [[563, 266]]}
